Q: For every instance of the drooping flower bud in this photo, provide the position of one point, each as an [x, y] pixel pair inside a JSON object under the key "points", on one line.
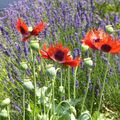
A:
{"points": [[85, 116], [51, 71], [28, 85], [28, 108], [5, 102], [73, 110], [84, 47], [4, 113], [23, 66], [109, 28], [72, 117], [61, 89], [34, 45], [88, 62]]}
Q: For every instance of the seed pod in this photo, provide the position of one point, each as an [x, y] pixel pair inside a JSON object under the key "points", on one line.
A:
{"points": [[109, 29], [34, 45], [4, 113], [88, 62], [28, 85], [51, 71], [23, 66], [84, 47], [5, 102]]}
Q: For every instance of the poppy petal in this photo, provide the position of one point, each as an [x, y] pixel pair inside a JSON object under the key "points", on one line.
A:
{"points": [[73, 63], [44, 54], [25, 39], [38, 28], [22, 27]]}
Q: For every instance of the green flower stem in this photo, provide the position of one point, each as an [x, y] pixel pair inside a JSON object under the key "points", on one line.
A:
{"points": [[89, 73], [69, 83], [93, 95], [61, 82], [53, 94], [103, 87], [53, 91], [34, 79], [23, 99], [75, 82], [8, 110]]}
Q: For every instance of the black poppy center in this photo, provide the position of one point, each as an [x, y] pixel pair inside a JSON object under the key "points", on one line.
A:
{"points": [[106, 48], [22, 30], [97, 40], [59, 55]]}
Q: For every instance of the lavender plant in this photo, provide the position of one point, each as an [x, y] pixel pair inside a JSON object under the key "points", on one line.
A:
{"points": [[41, 89]]}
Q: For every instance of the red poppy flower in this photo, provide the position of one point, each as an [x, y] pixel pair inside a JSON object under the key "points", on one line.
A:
{"points": [[23, 29], [109, 45], [94, 36], [59, 54], [100, 40]]}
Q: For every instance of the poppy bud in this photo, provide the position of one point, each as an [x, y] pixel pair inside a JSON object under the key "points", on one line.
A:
{"points": [[72, 117], [51, 71], [61, 89], [4, 113], [34, 44], [84, 47], [28, 108], [73, 110], [109, 28], [85, 115], [28, 85], [5, 102], [88, 62], [23, 66], [30, 29]]}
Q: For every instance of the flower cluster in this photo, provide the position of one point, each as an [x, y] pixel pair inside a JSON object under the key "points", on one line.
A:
{"points": [[95, 39], [26, 32]]}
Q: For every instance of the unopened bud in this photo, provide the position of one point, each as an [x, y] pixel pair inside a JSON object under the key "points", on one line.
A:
{"points": [[72, 117], [51, 71], [84, 47], [88, 62], [28, 108], [109, 28], [4, 113], [34, 44], [28, 85], [73, 110], [61, 89], [23, 66], [5, 102]]}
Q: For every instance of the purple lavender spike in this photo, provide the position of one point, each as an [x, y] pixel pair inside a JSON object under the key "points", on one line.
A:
{"points": [[77, 84], [17, 108], [26, 50]]}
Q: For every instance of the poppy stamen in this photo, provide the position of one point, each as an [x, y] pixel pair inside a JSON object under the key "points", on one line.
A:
{"points": [[22, 30], [97, 40], [106, 48], [59, 55]]}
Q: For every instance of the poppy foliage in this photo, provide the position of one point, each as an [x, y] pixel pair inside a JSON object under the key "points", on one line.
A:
{"points": [[59, 54], [100, 40], [23, 29]]}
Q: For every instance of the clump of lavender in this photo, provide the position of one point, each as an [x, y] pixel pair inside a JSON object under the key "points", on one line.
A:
{"points": [[68, 23]]}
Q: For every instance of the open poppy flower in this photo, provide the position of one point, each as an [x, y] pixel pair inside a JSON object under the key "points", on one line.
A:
{"points": [[23, 29], [109, 45], [59, 54], [94, 36], [100, 40]]}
